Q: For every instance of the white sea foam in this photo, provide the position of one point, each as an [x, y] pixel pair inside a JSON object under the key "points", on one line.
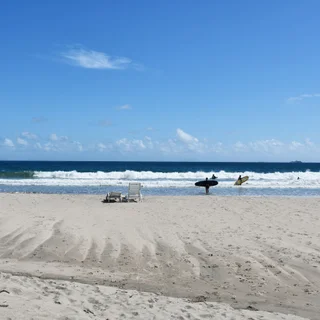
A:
{"points": [[169, 179]]}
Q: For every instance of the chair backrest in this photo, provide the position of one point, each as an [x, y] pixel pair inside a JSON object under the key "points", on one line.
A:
{"points": [[115, 194], [134, 189]]}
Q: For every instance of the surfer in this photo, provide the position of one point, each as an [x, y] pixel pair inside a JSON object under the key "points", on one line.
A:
{"points": [[214, 177], [207, 186], [207, 183], [241, 180]]}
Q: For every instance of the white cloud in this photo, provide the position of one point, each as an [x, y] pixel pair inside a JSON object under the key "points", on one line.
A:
{"points": [[180, 146], [59, 144], [186, 137], [50, 147], [239, 147], [101, 147], [90, 59], [271, 145], [138, 144], [309, 143], [170, 147], [38, 145], [149, 129], [55, 137], [78, 145], [295, 145], [184, 143], [306, 146], [8, 143], [218, 147], [22, 142], [130, 145], [47, 146], [29, 135], [172, 143], [190, 142], [302, 97], [148, 142], [274, 147], [124, 107]]}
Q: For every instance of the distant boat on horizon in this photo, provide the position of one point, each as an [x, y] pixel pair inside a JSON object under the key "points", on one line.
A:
{"points": [[296, 161]]}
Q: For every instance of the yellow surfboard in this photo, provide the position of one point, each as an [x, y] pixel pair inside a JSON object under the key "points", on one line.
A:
{"points": [[239, 182]]}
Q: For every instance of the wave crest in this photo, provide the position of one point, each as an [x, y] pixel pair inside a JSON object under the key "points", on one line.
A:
{"points": [[16, 174], [160, 179]]}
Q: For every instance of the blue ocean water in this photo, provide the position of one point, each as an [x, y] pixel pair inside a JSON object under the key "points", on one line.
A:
{"points": [[160, 178]]}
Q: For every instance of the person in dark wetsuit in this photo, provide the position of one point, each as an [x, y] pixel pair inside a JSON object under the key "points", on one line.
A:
{"points": [[214, 177], [207, 186]]}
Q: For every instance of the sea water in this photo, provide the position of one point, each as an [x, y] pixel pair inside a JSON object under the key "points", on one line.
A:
{"points": [[160, 178]]}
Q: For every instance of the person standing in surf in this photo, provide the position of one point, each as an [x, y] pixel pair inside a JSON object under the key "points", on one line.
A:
{"points": [[207, 186]]}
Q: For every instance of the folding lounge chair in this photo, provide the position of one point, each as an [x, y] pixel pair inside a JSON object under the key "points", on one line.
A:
{"points": [[114, 196], [134, 192]]}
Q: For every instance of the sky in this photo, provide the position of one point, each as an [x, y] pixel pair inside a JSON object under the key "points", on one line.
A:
{"points": [[160, 80]]}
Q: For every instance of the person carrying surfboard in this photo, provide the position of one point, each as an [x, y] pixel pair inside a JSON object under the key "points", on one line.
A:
{"points": [[207, 186], [207, 183], [241, 180]]}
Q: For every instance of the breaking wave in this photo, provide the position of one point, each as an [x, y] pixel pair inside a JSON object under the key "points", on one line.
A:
{"points": [[16, 174], [307, 179]]}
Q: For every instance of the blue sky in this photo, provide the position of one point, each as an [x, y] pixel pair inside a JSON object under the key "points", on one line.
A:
{"points": [[165, 80]]}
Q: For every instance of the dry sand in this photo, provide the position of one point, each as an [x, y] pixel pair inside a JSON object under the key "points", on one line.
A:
{"points": [[59, 255]]}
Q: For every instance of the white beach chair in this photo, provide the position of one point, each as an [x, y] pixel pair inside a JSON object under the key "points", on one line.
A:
{"points": [[134, 191], [114, 196]]}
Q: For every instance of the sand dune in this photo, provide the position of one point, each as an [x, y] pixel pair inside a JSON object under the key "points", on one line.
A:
{"points": [[259, 252]]}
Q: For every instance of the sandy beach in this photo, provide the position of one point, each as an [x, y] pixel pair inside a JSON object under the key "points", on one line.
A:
{"points": [[75, 257]]}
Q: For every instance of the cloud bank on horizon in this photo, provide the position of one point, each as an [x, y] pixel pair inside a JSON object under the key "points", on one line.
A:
{"points": [[181, 144]]}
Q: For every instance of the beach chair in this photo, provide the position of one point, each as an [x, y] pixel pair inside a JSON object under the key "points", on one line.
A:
{"points": [[114, 196], [134, 192]]}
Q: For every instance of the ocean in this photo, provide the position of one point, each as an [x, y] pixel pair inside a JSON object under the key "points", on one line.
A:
{"points": [[160, 178]]}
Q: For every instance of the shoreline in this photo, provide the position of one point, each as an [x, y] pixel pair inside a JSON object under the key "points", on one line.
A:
{"points": [[103, 195], [258, 251]]}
